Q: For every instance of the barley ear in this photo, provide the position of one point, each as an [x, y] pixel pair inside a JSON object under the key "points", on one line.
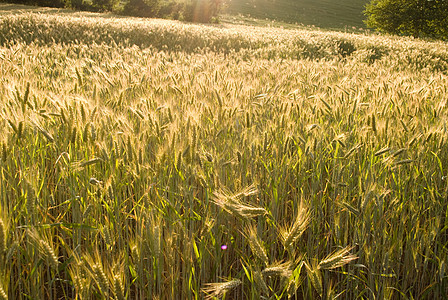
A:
{"points": [[337, 259], [294, 232], [315, 277], [101, 279], [3, 233], [260, 282], [279, 269], [219, 289], [256, 245], [3, 295], [45, 250], [118, 288]]}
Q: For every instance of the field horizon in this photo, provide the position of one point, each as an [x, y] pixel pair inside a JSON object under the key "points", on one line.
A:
{"points": [[158, 159], [346, 14]]}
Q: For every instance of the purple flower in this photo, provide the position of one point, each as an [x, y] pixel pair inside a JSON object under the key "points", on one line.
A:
{"points": [[224, 247]]}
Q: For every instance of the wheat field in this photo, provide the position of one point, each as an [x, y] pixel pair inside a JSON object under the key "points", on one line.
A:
{"points": [[151, 159]]}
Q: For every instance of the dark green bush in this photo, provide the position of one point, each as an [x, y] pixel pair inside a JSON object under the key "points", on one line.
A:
{"points": [[142, 8], [104, 5]]}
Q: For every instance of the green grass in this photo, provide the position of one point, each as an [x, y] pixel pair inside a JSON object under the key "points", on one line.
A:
{"points": [[322, 13], [133, 150]]}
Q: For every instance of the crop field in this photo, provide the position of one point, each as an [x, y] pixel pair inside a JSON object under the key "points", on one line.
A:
{"points": [[323, 13], [152, 159]]}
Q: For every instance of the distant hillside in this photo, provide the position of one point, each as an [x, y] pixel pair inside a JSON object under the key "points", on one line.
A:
{"points": [[322, 13]]}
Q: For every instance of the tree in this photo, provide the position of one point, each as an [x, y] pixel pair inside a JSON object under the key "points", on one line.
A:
{"points": [[78, 4], [47, 3], [439, 22], [409, 17], [104, 5], [142, 8]]}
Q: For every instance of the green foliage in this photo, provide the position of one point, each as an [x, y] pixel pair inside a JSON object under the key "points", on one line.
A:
{"points": [[439, 21], [409, 17], [77, 4], [95, 5], [48, 3], [142, 8], [104, 5]]}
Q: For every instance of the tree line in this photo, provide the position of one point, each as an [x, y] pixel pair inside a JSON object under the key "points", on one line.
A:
{"points": [[419, 18], [203, 11]]}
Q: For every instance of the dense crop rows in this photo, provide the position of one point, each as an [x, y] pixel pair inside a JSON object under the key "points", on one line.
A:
{"points": [[154, 159], [254, 42]]}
